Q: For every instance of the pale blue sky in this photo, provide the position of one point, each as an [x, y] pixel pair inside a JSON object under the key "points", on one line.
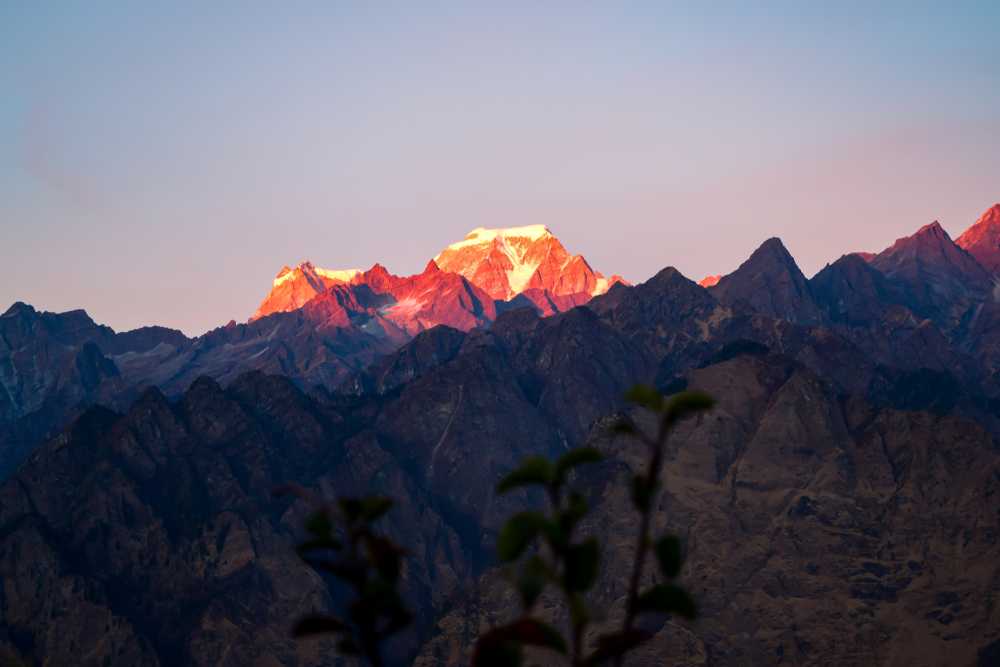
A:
{"points": [[160, 165]]}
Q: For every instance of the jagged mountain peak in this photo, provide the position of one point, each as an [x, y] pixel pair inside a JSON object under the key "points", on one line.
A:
{"points": [[526, 262], [942, 278], [982, 239], [481, 235], [18, 308], [506, 262], [770, 282], [773, 247], [930, 244]]}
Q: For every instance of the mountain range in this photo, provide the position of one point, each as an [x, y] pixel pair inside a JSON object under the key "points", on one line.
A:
{"points": [[840, 506]]}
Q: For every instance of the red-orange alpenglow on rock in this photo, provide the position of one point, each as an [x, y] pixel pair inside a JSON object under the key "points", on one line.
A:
{"points": [[525, 266]]}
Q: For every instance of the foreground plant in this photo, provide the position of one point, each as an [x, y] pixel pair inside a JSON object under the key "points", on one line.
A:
{"points": [[572, 566], [343, 543], [542, 549], [664, 598]]}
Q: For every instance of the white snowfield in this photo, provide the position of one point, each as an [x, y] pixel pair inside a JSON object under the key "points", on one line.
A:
{"points": [[481, 235], [338, 275], [341, 275], [520, 274]]}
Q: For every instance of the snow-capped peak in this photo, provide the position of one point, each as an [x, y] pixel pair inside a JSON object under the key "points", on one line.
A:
{"points": [[481, 235]]}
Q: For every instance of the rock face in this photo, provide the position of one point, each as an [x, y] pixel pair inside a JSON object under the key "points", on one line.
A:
{"points": [[818, 532], [292, 288], [942, 278], [52, 366], [840, 506], [502, 263], [771, 283], [856, 520], [155, 539], [982, 240]]}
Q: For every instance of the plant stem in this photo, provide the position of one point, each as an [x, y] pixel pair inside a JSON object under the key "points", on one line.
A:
{"points": [[642, 546]]}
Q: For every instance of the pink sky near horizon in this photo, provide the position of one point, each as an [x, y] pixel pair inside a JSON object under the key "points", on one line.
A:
{"points": [[156, 169]]}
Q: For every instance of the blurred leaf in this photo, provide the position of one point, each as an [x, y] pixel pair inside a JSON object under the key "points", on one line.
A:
{"points": [[351, 507], [373, 507], [667, 599], [385, 555], [529, 632], [532, 580], [576, 509], [646, 396], [581, 565], [687, 404], [668, 553], [612, 645], [319, 524], [534, 470], [623, 426], [556, 535], [518, 533], [573, 458], [578, 614], [318, 625]]}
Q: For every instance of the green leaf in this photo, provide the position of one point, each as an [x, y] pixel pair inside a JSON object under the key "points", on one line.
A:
{"points": [[576, 509], [518, 533], [612, 645], [502, 646], [532, 580], [646, 396], [319, 524], [318, 625], [642, 493], [573, 458], [582, 565], [534, 470], [687, 404], [351, 507], [623, 426], [668, 553], [373, 507], [667, 599]]}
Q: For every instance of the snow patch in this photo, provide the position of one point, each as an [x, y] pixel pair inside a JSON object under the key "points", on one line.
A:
{"points": [[518, 277], [285, 275], [406, 307], [337, 275], [340, 275]]}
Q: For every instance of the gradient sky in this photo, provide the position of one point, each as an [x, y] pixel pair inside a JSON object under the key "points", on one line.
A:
{"points": [[159, 165]]}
